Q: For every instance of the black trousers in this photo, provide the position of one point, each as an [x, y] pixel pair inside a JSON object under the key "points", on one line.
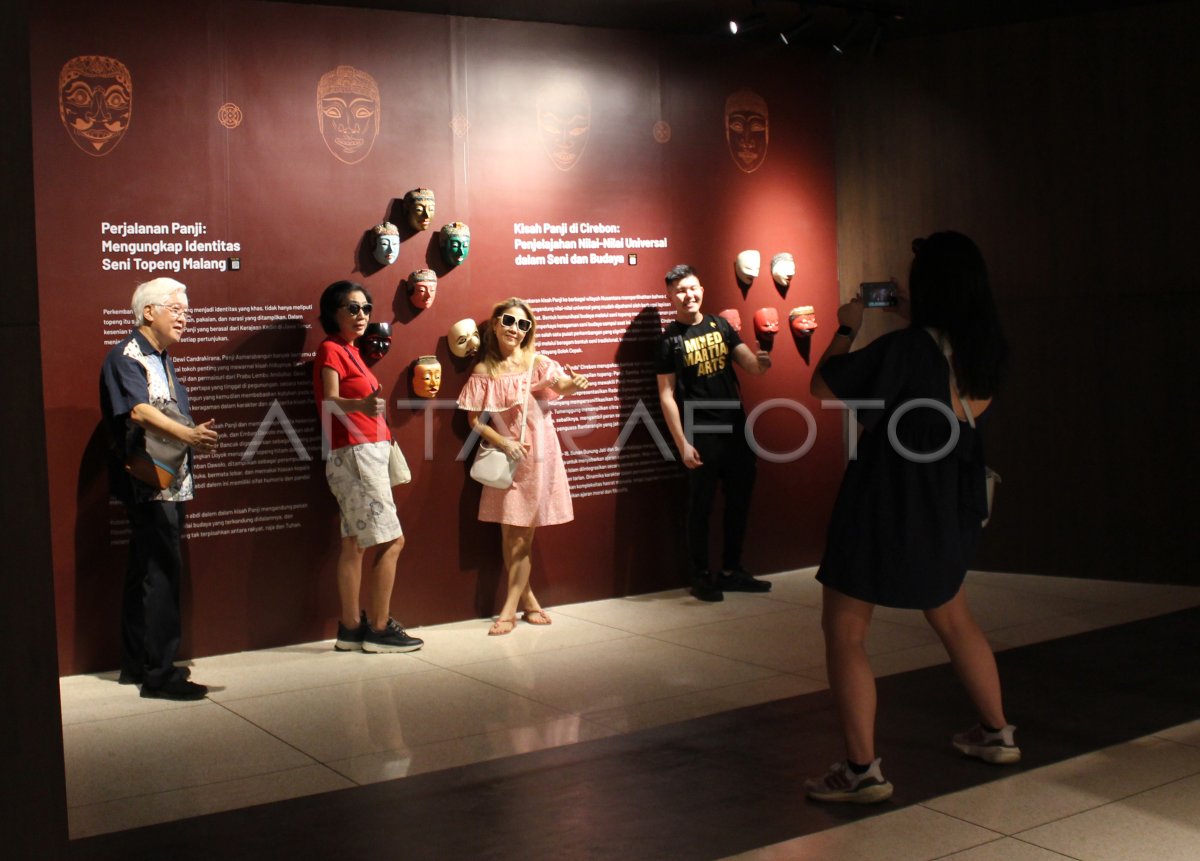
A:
{"points": [[728, 461], [150, 624]]}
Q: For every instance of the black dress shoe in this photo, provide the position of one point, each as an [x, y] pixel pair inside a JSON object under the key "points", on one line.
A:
{"points": [[738, 580], [176, 688], [134, 677], [704, 589]]}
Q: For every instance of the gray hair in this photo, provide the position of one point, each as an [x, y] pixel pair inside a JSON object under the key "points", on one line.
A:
{"points": [[154, 292]]}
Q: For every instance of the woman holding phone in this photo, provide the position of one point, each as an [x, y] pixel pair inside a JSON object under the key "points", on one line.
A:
{"points": [[909, 512]]}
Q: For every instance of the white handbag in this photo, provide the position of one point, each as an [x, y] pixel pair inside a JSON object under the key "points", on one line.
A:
{"points": [[398, 471], [492, 467]]}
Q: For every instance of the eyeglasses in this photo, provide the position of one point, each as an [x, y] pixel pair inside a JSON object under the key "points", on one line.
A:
{"points": [[353, 308], [177, 311], [522, 324]]}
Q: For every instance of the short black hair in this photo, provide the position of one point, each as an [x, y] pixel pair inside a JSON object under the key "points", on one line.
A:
{"points": [[678, 272], [331, 300]]}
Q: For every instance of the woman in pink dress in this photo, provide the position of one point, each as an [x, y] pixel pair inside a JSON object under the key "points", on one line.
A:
{"points": [[539, 496]]}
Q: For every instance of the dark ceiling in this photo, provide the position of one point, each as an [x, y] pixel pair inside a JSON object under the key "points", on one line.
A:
{"points": [[853, 24]]}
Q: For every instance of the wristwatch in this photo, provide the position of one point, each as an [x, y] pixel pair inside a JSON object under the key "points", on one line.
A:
{"points": [[845, 330]]}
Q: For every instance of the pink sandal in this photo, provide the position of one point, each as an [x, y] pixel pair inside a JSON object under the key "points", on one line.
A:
{"points": [[498, 628], [537, 617]]}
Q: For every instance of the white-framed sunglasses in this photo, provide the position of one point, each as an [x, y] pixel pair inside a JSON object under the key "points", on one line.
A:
{"points": [[522, 324]]}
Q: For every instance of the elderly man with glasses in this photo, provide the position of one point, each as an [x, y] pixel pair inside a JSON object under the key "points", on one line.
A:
{"points": [[146, 411]]}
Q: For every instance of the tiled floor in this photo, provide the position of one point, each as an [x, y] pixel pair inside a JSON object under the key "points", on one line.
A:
{"points": [[303, 719]]}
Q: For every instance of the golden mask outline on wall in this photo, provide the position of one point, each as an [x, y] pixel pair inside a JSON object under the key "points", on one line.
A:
{"points": [[564, 119], [349, 110], [747, 129], [229, 115], [95, 102]]}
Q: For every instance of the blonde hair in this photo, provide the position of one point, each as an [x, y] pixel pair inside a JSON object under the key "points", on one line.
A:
{"points": [[489, 347]]}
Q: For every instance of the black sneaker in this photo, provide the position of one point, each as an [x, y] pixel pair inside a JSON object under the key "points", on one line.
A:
{"points": [[739, 580], [704, 589], [176, 688], [351, 639], [390, 639]]}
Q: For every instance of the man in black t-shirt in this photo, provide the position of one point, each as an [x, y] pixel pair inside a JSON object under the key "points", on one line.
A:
{"points": [[702, 405]]}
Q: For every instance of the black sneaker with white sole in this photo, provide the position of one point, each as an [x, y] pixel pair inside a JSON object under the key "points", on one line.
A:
{"points": [[351, 639], [391, 639]]}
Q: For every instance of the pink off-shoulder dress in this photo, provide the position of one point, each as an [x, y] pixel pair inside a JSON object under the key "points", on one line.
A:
{"points": [[539, 495]]}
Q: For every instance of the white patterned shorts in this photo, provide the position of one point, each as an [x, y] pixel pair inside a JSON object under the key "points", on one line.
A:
{"points": [[358, 477]]}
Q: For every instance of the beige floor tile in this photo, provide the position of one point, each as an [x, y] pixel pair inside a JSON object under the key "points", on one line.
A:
{"points": [[121, 814], [1006, 849], [99, 697], [995, 607], [638, 716], [789, 640], [785, 640], [796, 587], [438, 755], [664, 611], [1188, 733], [1106, 615], [588, 678], [1098, 591], [903, 660], [911, 834], [468, 642], [1033, 798], [310, 666], [1044, 629], [1160, 824], [393, 713], [143, 754]]}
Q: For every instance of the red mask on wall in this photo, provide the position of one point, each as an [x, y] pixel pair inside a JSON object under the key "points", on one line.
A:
{"points": [[803, 319], [733, 317], [766, 325]]}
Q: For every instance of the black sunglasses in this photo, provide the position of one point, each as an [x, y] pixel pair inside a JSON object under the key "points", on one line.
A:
{"points": [[522, 324], [354, 308]]}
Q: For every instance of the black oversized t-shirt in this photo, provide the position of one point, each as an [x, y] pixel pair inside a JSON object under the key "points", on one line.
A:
{"points": [[701, 358]]}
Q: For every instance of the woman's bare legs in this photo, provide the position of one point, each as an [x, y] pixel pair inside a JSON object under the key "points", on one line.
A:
{"points": [[349, 580], [845, 622], [971, 655], [517, 544], [383, 578]]}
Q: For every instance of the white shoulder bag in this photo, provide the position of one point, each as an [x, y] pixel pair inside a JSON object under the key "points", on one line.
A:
{"points": [[492, 467]]}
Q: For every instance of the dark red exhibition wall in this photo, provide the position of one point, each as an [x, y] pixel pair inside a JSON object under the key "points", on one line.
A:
{"points": [[1067, 149], [530, 134]]}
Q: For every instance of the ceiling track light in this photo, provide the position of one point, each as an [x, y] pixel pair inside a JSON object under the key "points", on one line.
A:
{"points": [[789, 36], [840, 46], [748, 24]]}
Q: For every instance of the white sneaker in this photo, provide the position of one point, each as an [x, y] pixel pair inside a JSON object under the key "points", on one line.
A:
{"points": [[842, 784], [994, 747]]}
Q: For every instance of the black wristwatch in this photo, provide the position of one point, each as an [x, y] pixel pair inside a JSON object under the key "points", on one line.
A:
{"points": [[845, 330]]}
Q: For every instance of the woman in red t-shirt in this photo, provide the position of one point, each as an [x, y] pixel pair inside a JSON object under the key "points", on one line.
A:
{"points": [[356, 466]]}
